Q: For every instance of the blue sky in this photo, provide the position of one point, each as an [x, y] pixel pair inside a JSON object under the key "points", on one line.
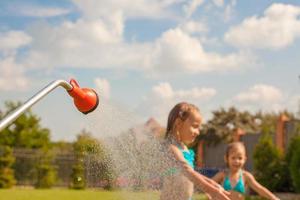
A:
{"points": [[143, 56]]}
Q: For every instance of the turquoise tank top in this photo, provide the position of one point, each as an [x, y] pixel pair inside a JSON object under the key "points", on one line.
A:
{"points": [[189, 156], [239, 187]]}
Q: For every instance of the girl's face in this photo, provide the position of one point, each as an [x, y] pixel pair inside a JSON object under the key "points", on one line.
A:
{"points": [[236, 159], [189, 129]]}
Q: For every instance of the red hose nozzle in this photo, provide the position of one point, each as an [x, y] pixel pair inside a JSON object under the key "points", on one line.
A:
{"points": [[86, 100]]}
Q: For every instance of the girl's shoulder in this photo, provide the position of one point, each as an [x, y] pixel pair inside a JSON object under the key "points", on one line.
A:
{"points": [[173, 147], [219, 176], [223, 172], [175, 151], [248, 177], [246, 173]]}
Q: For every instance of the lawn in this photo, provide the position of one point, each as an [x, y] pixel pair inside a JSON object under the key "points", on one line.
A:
{"points": [[66, 194]]}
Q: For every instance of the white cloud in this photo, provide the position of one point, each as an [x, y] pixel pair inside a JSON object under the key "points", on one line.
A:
{"points": [[163, 97], [293, 103], [260, 96], [103, 86], [194, 27], [97, 44], [229, 10], [38, 11], [191, 7], [12, 76], [165, 91], [76, 44], [218, 3], [278, 28], [12, 40], [97, 41], [178, 51], [93, 9], [260, 92]]}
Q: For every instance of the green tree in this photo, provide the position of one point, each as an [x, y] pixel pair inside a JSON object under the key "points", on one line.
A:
{"points": [[7, 179], [224, 122], [268, 121], [90, 159], [293, 162], [27, 134], [298, 111], [294, 169], [269, 165], [78, 176], [25, 131], [62, 147], [45, 170]]}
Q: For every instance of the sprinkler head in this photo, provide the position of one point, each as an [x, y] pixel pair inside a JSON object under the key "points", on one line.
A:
{"points": [[86, 100]]}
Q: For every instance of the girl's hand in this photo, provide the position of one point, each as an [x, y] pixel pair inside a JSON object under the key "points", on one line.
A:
{"points": [[208, 196], [236, 196], [215, 191], [220, 195]]}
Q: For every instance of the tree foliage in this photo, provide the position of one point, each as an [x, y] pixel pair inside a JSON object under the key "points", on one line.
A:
{"points": [[90, 157], [45, 170], [224, 122], [293, 161], [269, 165], [268, 121], [25, 131], [7, 179]]}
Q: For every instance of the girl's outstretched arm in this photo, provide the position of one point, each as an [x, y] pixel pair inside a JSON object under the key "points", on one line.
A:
{"points": [[216, 180], [257, 187], [198, 179], [214, 190], [219, 177]]}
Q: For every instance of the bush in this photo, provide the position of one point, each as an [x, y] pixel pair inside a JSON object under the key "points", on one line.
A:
{"points": [[25, 169], [78, 179], [45, 171], [293, 159], [7, 178], [89, 155], [269, 165], [46, 176]]}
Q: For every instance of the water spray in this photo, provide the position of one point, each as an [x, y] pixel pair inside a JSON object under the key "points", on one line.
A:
{"points": [[86, 100]]}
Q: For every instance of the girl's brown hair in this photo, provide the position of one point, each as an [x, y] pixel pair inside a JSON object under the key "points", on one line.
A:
{"points": [[182, 111], [233, 146]]}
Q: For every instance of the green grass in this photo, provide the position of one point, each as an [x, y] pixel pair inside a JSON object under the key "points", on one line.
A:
{"points": [[67, 194]]}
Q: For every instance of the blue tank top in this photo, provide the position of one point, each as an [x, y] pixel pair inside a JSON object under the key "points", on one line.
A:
{"points": [[189, 156], [239, 187]]}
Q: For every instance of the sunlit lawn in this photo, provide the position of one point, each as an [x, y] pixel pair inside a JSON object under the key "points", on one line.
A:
{"points": [[68, 194]]}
